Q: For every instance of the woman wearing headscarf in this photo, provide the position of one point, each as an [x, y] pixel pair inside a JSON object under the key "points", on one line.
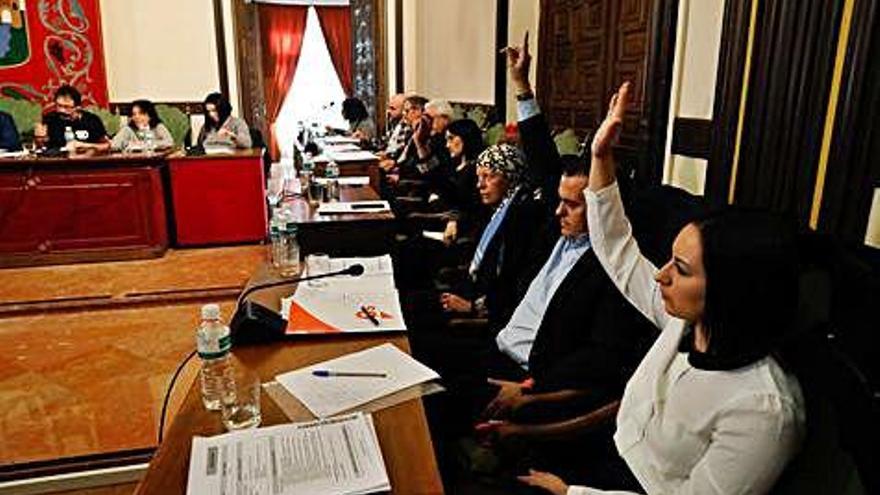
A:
{"points": [[504, 261]]}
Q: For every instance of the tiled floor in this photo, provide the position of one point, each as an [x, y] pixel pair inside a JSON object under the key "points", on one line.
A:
{"points": [[82, 382]]}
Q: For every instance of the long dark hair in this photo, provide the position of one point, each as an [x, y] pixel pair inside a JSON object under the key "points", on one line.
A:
{"points": [[354, 110], [470, 135], [224, 109], [751, 265], [148, 108]]}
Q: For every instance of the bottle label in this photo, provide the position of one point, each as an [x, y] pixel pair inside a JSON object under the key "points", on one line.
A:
{"points": [[210, 349]]}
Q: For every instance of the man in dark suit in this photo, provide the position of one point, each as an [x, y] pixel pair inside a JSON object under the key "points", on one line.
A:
{"points": [[571, 336]]}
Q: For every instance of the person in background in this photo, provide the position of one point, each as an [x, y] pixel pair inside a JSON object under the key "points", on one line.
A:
{"points": [[464, 141], [221, 128], [88, 130], [398, 131], [143, 119], [413, 108], [427, 157], [9, 140], [710, 409], [359, 124]]}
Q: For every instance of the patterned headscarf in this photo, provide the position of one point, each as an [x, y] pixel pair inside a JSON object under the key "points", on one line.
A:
{"points": [[506, 159]]}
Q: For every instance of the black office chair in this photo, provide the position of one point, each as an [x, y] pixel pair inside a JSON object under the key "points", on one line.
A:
{"points": [[830, 350]]}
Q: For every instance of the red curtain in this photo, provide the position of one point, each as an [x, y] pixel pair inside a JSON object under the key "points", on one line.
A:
{"points": [[281, 29], [336, 26]]}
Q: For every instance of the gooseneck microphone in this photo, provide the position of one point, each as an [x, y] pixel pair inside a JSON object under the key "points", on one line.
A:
{"points": [[255, 323]]}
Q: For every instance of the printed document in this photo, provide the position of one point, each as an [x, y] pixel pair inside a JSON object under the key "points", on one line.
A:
{"points": [[339, 456]]}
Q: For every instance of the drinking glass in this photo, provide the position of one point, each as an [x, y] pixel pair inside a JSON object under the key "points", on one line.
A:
{"points": [[240, 406], [318, 264]]}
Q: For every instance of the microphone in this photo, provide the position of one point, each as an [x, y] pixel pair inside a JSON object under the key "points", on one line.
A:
{"points": [[255, 323]]}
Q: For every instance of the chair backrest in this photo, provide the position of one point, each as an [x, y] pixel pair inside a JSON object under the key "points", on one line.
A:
{"points": [[829, 352], [176, 121], [257, 140]]}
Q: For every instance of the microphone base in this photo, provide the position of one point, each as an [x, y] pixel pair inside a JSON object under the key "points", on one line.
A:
{"points": [[254, 324]]}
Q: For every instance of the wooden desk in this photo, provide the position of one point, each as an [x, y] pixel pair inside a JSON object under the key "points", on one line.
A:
{"points": [[83, 207], [218, 199], [402, 430], [356, 234]]}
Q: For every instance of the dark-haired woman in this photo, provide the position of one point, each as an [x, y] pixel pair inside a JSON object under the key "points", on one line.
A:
{"points": [[359, 124], [144, 120], [709, 409], [464, 140], [221, 128]]}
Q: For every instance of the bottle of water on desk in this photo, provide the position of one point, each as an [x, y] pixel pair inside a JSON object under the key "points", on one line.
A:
{"points": [[332, 174], [285, 246], [68, 136], [214, 343], [149, 141]]}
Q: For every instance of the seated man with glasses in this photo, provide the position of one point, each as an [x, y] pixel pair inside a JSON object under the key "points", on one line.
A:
{"points": [[87, 130]]}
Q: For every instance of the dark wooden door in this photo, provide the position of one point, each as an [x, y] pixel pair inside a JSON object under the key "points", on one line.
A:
{"points": [[587, 49]]}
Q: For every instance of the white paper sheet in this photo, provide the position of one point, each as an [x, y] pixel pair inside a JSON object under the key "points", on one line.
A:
{"points": [[327, 396], [339, 208], [355, 180], [350, 156], [13, 154], [315, 310], [434, 236], [340, 456], [338, 140]]}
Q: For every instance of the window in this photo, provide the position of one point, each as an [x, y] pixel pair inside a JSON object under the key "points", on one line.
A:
{"points": [[316, 94]]}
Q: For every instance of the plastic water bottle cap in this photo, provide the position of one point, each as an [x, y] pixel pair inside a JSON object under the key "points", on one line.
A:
{"points": [[210, 312]]}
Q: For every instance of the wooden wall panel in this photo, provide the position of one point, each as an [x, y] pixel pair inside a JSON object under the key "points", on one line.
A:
{"points": [[587, 49]]}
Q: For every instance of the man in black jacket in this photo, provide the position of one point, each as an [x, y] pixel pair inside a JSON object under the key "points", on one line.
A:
{"points": [[571, 337]]}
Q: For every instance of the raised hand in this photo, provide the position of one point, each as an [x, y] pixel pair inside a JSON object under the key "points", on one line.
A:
{"points": [[602, 168], [519, 60]]}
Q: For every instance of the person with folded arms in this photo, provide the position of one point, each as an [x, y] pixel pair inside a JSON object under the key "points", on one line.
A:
{"points": [[144, 119]]}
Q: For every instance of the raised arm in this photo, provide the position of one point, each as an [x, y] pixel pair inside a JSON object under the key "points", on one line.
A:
{"points": [[542, 157], [610, 231]]}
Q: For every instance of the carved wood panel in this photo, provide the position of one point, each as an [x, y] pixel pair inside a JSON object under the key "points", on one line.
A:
{"points": [[588, 48]]}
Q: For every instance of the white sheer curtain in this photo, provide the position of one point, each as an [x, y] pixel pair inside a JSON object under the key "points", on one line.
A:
{"points": [[316, 94]]}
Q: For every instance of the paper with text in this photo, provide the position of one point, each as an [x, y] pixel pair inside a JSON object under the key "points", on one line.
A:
{"points": [[340, 456], [327, 396]]}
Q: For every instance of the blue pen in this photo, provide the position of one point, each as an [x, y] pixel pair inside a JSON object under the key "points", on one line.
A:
{"points": [[331, 373]]}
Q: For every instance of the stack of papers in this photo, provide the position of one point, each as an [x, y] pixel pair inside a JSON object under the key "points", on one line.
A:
{"points": [[340, 208], [340, 456], [330, 395], [368, 303]]}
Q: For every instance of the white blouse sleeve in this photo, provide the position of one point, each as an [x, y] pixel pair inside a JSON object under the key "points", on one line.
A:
{"points": [[616, 248]]}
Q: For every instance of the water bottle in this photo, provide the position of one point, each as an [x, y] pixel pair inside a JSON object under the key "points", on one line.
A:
{"points": [[214, 343], [69, 135], [289, 249], [332, 174], [149, 141], [307, 176]]}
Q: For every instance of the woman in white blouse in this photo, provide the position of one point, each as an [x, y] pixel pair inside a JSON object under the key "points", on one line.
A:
{"points": [[709, 409]]}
